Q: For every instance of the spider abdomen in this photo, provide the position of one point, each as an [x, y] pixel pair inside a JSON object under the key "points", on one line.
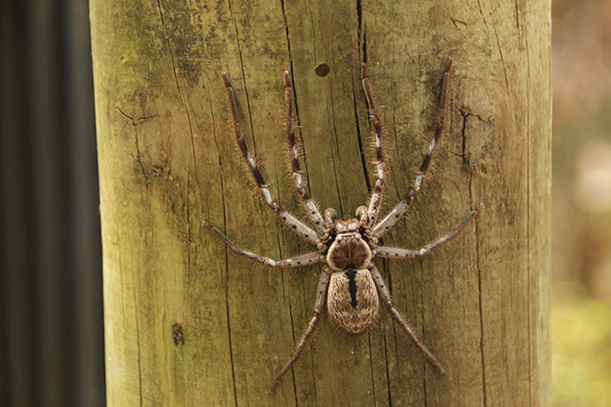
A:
{"points": [[352, 301]]}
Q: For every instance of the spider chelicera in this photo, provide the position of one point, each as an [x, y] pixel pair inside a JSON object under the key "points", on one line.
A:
{"points": [[350, 284]]}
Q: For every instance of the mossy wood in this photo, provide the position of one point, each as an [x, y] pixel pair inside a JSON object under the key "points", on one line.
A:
{"points": [[189, 323]]}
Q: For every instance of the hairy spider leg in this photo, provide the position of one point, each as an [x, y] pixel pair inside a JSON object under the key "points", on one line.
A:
{"points": [[389, 221], [396, 253], [308, 204], [387, 300], [299, 261], [378, 190], [301, 229], [321, 295]]}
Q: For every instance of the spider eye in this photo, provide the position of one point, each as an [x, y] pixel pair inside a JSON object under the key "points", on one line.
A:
{"points": [[340, 227]]}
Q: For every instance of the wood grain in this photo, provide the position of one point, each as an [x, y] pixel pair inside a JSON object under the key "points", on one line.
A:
{"points": [[168, 160]]}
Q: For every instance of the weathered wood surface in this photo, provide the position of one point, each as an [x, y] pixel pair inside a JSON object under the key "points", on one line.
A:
{"points": [[168, 160]]}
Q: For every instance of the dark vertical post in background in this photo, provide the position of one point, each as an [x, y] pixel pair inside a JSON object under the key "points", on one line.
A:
{"points": [[50, 256]]}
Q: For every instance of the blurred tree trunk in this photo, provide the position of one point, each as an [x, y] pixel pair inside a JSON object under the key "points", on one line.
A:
{"points": [[168, 160]]}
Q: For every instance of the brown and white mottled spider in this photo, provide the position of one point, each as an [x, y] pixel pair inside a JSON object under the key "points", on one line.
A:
{"points": [[350, 282]]}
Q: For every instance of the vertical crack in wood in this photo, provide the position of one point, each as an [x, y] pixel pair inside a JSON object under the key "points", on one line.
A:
{"points": [[423, 337], [387, 370], [305, 166], [138, 344], [371, 367], [224, 206], [135, 123], [361, 29], [360, 140], [179, 90], [237, 41], [337, 150], [466, 167], [528, 206], [478, 267]]}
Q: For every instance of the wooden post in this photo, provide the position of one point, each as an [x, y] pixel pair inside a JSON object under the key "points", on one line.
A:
{"points": [[188, 323]]}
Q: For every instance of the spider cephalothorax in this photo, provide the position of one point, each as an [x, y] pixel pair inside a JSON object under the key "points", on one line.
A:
{"points": [[348, 250], [350, 285]]}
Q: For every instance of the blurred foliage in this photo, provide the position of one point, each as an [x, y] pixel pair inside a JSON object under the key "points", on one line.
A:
{"points": [[581, 355], [581, 203]]}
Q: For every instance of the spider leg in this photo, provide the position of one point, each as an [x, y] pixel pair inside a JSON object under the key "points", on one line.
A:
{"points": [[378, 189], [299, 261], [389, 221], [387, 300], [301, 229], [396, 253], [308, 204], [321, 295]]}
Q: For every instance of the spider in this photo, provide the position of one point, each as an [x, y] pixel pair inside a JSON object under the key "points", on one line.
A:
{"points": [[350, 285]]}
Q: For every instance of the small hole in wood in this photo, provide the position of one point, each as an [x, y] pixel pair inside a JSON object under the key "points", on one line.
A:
{"points": [[322, 70]]}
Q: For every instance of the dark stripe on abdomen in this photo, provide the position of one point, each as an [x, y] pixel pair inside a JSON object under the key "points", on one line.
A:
{"points": [[351, 274]]}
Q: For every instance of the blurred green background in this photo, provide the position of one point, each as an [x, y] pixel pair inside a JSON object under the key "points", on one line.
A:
{"points": [[581, 203]]}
